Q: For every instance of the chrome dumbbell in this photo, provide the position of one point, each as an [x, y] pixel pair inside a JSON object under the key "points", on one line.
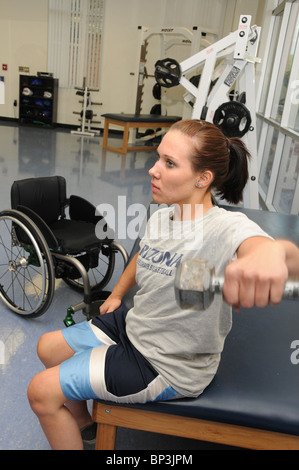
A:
{"points": [[196, 285]]}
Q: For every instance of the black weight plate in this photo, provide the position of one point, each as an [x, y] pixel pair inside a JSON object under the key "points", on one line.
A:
{"points": [[167, 72], [233, 118]]}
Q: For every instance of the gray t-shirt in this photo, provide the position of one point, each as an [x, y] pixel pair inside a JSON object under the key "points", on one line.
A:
{"points": [[184, 346]]}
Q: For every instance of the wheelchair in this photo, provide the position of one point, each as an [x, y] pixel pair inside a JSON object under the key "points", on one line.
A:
{"points": [[40, 242]]}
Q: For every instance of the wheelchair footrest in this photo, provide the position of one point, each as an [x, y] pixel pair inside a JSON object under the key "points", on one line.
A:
{"points": [[97, 299], [94, 308]]}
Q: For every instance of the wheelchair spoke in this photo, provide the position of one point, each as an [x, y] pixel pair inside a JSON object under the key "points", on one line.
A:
{"points": [[23, 297], [25, 283], [24, 288]]}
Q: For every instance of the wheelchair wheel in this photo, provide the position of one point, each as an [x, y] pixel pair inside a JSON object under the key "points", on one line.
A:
{"points": [[27, 278], [100, 275]]}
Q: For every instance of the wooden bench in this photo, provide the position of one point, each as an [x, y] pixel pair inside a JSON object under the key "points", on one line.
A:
{"points": [[134, 121], [253, 402]]}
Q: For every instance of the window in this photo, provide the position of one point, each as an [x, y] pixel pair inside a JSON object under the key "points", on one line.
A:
{"points": [[75, 33], [285, 68], [270, 61], [278, 113], [294, 113], [290, 117], [268, 160], [287, 181]]}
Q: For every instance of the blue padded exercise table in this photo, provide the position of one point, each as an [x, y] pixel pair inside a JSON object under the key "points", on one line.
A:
{"points": [[253, 402], [134, 121]]}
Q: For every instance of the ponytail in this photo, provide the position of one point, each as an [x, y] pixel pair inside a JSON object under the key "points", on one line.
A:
{"points": [[226, 158], [232, 187]]}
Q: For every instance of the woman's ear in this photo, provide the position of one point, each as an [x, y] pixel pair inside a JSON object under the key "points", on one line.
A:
{"points": [[205, 179]]}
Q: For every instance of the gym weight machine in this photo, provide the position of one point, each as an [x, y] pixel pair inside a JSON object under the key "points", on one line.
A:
{"points": [[168, 36], [211, 101], [86, 114]]}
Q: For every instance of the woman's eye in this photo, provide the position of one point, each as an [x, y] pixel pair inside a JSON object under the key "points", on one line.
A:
{"points": [[170, 163]]}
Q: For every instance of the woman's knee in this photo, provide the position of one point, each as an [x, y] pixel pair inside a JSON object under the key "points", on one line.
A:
{"points": [[37, 394], [43, 347], [46, 348], [44, 392], [52, 349]]}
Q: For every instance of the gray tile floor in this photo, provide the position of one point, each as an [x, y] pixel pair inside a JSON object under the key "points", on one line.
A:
{"points": [[101, 178]]}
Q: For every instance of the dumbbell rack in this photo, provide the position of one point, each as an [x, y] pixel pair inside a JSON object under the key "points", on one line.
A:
{"points": [[86, 114]]}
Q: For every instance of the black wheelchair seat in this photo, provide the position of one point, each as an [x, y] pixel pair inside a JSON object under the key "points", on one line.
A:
{"points": [[71, 235]]}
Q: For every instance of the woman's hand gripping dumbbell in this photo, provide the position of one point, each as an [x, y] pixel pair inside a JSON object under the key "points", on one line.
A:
{"points": [[196, 285]]}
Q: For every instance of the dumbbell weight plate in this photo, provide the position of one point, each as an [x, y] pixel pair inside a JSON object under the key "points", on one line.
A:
{"points": [[193, 285]]}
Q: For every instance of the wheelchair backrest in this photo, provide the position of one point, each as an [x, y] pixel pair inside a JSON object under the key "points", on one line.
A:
{"points": [[46, 196]]}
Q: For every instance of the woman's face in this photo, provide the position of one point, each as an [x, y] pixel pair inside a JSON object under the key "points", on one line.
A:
{"points": [[173, 179]]}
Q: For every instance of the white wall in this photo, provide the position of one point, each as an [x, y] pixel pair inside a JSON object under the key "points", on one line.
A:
{"points": [[24, 42]]}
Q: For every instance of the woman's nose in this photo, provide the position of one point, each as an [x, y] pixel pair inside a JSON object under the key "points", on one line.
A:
{"points": [[154, 171]]}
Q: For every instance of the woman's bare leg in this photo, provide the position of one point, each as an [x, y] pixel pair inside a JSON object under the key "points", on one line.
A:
{"points": [[47, 401], [52, 350]]}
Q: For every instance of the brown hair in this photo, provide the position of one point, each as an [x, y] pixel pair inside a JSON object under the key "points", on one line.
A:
{"points": [[226, 158]]}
